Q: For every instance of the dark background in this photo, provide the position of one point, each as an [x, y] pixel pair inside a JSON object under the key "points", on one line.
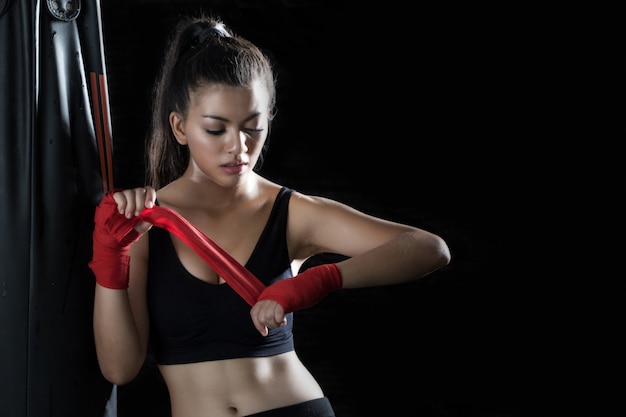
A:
{"points": [[441, 117]]}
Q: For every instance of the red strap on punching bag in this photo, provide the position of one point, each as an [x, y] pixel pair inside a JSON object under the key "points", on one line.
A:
{"points": [[102, 125]]}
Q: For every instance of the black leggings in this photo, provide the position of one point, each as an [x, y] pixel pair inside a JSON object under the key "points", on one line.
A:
{"points": [[315, 408]]}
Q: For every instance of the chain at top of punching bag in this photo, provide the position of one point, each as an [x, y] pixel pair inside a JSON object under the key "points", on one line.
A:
{"points": [[65, 10]]}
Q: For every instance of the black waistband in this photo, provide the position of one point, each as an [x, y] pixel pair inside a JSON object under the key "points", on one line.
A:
{"points": [[315, 408]]}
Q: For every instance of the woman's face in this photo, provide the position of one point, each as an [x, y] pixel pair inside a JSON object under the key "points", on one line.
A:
{"points": [[225, 130]]}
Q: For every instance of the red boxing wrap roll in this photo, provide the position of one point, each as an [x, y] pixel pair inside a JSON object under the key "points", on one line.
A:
{"points": [[305, 289], [113, 234], [236, 275]]}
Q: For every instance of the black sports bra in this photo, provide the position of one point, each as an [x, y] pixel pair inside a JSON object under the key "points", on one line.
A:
{"points": [[194, 321]]}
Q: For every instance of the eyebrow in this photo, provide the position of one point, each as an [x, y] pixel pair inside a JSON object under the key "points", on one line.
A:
{"points": [[223, 119]]}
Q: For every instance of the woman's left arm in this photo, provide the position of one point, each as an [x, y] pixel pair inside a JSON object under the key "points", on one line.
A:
{"points": [[381, 252]]}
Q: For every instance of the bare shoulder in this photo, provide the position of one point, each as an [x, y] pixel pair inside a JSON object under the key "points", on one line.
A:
{"points": [[304, 201], [312, 209], [307, 202], [321, 224], [322, 209]]}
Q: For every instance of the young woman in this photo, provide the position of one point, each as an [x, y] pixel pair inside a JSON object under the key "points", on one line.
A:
{"points": [[222, 333]]}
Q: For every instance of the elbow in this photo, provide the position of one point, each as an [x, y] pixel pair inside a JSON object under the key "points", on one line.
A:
{"points": [[117, 377], [428, 253], [118, 364], [441, 252]]}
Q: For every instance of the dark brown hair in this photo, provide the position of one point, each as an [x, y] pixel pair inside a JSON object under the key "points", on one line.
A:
{"points": [[201, 51]]}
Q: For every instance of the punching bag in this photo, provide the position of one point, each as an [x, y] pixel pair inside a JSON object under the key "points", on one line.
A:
{"points": [[55, 165]]}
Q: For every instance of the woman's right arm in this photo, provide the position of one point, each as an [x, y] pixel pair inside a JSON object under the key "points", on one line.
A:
{"points": [[120, 323], [120, 315]]}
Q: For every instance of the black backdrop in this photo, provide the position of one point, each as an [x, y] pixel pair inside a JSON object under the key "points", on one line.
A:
{"points": [[430, 115]]}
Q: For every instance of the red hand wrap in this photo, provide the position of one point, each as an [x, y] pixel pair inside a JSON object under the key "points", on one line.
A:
{"points": [[305, 289], [113, 234], [236, 275]]}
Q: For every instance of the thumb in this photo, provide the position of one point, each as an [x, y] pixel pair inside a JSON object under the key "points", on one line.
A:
{"points": [[143, 227]]}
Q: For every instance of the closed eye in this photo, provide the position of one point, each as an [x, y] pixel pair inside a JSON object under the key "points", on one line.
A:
{"points": [[249, 130], [216, 132]]}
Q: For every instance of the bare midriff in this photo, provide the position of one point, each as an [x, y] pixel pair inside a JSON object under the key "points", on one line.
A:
{"points": [[238, 387]]}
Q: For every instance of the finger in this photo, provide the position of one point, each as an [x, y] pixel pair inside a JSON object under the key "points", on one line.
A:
{"points": [[143, 227], [128, 204], [272, 315], [121, 200], [150, 197], [258, 324], [140, 200], [279, 315]]}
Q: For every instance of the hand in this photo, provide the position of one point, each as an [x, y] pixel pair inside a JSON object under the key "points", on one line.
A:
{"points": [[116, 228], [131, 202], [267, 314]]}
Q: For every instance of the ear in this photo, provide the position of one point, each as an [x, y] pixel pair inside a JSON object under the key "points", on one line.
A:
{"points": [[177, 123]]}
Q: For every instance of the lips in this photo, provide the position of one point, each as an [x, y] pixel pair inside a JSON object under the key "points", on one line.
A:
{"points": [[234, 168], [234, 164]]}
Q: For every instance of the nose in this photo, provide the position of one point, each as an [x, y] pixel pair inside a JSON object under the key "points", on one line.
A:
{"points": [[237, 143]]}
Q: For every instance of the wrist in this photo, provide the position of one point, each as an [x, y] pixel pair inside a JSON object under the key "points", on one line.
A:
{"points": [[305, 289]]}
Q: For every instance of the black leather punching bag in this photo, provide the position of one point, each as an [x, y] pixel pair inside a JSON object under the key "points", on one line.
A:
{"points": [[55, 159]]}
